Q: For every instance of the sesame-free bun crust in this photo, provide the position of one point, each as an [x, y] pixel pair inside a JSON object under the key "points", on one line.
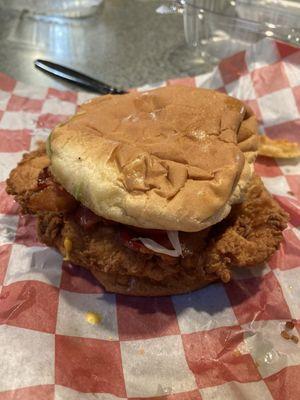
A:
{"points": [[174, 158]]}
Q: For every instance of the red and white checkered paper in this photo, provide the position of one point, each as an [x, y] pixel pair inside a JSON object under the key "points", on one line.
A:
{"points": [[221, 342]]}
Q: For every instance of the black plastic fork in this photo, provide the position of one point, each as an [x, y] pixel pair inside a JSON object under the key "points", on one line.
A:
{"points": [[76, 78]]}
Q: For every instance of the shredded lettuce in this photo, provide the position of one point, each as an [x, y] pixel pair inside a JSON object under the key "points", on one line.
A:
{"points": [[78, 191]]}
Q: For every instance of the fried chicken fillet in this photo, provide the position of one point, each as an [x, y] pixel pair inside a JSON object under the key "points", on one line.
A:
{"points": [[248, 236]]}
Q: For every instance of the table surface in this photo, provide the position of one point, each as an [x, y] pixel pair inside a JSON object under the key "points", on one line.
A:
{"points": [[126, 43]]}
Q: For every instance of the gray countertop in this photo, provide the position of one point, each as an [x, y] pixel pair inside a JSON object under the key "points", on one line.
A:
{"points": [[126, 44]]}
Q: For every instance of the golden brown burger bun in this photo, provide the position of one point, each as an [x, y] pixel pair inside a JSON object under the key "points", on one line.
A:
{"points": [[175, 158]]}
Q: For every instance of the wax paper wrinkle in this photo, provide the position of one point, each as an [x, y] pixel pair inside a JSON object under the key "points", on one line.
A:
{"points": [[24, 301]]}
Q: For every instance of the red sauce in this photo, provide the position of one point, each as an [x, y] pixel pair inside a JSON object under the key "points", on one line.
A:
{"points": [[128, 237], [127, 240]]}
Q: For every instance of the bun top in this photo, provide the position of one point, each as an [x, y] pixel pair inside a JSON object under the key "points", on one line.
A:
{"points": [[173, 158]]}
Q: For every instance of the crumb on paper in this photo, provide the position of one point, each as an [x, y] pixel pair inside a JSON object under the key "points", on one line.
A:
{"points": [[295, 339], [164, 390], [68, 248], [278, 148], [285, 335], [141, 351], [93, 318], [110, 338], [237, 353], [225, 276], [290, 193], [289, 325]]}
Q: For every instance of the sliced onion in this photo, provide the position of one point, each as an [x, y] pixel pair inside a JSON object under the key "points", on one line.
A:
{"points": [[157, 248], [174, 239]]}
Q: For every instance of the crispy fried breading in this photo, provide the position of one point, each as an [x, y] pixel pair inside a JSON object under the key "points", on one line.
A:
{"points": [[34, 191], [278, 148], [252, 231], [248, 236]]}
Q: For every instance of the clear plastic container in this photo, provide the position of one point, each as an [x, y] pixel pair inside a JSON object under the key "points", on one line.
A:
{"points": [[278, 12], [54, 8], [215, 29], [54, 26]]}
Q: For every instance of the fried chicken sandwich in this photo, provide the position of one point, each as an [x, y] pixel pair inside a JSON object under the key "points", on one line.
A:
{"points": [[155, 192]]}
